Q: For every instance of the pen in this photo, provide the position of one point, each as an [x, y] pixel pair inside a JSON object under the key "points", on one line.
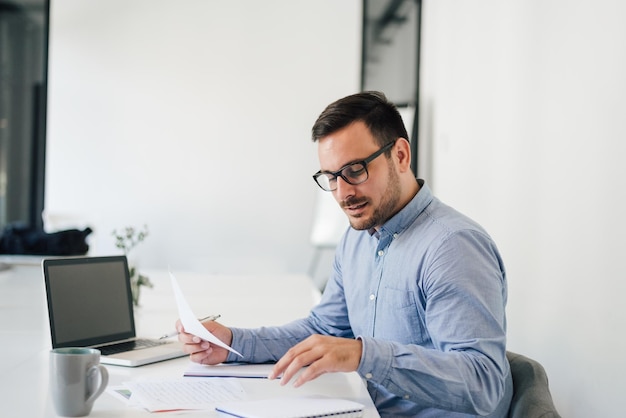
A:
{"points": [[175, 333]]}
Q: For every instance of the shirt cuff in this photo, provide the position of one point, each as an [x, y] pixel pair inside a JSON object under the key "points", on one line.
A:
{"points": [[238, 344], [376, 358]]}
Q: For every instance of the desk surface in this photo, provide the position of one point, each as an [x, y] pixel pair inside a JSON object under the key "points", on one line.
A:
{"points": [[246, 301]]}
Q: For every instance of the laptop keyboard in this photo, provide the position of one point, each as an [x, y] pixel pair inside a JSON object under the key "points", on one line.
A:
{"points": [[138, 344]]}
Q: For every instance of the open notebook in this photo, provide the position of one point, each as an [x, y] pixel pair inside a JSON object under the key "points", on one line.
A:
{"points": [[90, 305], [298, 407]]}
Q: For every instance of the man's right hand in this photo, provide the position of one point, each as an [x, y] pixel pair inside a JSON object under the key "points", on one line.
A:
{"points": [[201, 351]]}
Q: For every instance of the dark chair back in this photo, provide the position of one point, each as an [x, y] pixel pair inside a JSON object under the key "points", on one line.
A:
{"points": [[531, 393]]}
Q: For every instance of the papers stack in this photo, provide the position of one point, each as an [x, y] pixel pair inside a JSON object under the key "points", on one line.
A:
{"points": [[178, 394]]}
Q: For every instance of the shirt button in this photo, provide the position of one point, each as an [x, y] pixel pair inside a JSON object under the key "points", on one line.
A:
{"points": [[368, 376], [381, 253], [395, 236], [372, 296], [406, 396]]}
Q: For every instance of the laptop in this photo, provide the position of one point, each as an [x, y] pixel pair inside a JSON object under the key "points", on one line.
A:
{"points": [[90, 305]]}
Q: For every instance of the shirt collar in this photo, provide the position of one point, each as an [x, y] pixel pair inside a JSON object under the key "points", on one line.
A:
{"points": [[407, 215]]}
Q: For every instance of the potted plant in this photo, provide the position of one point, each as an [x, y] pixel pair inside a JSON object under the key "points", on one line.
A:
{"points": [[126, 240]]}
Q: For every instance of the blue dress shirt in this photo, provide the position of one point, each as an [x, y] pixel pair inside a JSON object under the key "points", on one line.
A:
{"points": [[426, 295]]}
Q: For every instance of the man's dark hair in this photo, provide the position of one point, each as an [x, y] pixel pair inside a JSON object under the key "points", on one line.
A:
{"points": [[371, 107]]}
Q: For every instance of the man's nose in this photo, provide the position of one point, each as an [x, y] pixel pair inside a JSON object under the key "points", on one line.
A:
{"points": [[344, 189]]}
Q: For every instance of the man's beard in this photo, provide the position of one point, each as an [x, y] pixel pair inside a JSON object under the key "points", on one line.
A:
{"points": [[384, 211]]}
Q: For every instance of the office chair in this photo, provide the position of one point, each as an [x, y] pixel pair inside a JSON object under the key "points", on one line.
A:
{"points": [[531, 393], [329, 224]]}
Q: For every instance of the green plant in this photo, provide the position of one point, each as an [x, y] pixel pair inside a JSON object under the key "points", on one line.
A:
{"points": [[129, 238], [126, 240]]}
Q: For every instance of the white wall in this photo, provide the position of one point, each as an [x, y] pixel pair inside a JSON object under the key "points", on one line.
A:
{"points": [[524, 117], [194, 117]]}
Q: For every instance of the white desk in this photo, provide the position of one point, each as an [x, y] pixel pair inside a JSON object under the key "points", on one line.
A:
{"points": [[244, 301]]}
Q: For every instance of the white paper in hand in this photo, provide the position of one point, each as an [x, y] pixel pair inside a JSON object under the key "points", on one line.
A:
{"points": [[190, 321]]}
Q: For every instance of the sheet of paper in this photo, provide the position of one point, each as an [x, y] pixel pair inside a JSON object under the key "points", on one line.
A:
{"points": [[121, 393], [188, 393], [229, 370], [190, 321]]}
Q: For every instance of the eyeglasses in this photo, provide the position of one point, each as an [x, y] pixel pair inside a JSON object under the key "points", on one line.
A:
{"points": [[353, 173]]}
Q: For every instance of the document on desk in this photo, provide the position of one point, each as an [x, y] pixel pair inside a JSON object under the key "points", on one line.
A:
{"points": [[178, 394], [259, 371], [190, 321]]}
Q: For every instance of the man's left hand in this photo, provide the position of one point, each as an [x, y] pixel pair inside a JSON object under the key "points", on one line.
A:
{"points": [[322, 354]]}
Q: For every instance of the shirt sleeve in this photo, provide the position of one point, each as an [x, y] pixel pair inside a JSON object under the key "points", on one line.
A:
{"points": [[269, 344]]}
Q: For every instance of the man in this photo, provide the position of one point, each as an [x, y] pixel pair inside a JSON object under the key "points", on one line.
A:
{"points": [[416, 300]]}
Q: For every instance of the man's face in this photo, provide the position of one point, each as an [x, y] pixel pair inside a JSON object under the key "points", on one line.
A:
{"points": [[371, 203]]}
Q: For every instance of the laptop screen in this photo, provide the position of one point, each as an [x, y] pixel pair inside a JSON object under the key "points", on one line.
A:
{"points": [[89, 300]]}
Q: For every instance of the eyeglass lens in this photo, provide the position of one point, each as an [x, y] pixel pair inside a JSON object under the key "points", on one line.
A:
{"points": [[353, 174]]}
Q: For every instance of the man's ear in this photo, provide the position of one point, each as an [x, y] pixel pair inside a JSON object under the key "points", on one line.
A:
{"points": [[402, 153]]}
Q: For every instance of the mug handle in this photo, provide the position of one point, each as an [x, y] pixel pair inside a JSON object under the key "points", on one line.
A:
{"points": [[104, 380]]}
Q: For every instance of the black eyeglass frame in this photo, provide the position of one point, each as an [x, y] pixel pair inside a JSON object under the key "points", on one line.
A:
{"points": [[339, 173]]}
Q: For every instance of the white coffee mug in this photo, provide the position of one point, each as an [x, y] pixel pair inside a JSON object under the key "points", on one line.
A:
{"points": [[76, 379]]}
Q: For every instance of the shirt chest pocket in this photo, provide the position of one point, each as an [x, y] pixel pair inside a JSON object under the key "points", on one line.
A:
{"points": [[399, 317]]}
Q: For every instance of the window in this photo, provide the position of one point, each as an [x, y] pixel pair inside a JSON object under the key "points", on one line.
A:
{"points": [[390, 59], [23, 90]]}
